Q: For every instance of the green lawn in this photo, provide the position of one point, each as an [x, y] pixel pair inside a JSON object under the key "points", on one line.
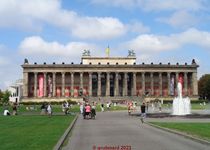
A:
{"points": [[201, 130], [32, 132], [200, 107], [57, 109]]}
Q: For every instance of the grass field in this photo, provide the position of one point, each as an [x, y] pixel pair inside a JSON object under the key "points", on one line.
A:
{"points": [[32, 132], [57, 109], [201, 130]]}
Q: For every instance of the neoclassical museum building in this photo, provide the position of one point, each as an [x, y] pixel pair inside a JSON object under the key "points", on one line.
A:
{"points": [[113, 78]]}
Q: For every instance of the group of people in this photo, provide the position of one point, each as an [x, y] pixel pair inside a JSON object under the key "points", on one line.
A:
{"points": [[88, 111], [46, 109], [14, 110], [143, 110]]}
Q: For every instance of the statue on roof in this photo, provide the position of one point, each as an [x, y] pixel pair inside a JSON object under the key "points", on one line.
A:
{"points": [[193, 61], [131, 53], [25, 61], [86, 53]]}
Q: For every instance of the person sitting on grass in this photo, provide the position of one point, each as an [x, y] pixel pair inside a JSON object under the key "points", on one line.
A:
{"points": [[6, 112]]}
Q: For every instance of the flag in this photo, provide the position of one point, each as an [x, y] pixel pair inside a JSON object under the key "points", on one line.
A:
{"points": [[107, 51]]}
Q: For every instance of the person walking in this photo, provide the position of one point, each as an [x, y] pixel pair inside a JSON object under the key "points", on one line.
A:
{"points": [[49, 110], [102, 107], [81, 108], [143, 112], [88, 110]]}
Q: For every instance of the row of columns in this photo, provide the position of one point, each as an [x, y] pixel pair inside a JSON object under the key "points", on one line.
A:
{"points": [[116, 83]]}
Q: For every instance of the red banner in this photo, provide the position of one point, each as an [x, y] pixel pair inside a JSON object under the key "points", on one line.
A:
{"points": [[41, 85]]}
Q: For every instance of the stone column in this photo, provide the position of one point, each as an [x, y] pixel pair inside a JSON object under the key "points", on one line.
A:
{"points": [[134, 84], [160, 83], [81, 82], [45, 84], [116, 84], [108, 84], [63, 84], [25, 84], [176, 82], [35, 84], [99, 84], [72, 84], [185, 84], [143, 82], [168, 77], [90, 83], [195, 83], [152, 83], [125, 84], [54, 84]]}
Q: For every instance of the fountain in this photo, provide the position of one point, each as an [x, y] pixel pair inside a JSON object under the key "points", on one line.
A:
{"points": [[181, 106]]}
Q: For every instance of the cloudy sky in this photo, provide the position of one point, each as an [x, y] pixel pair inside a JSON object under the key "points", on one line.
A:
{"points": [[59, 30]]}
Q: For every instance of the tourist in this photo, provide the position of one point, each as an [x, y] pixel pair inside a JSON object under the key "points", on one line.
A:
{"points": [[14, 108], [143, 112], [81, 108], [66, 107], [84, 111], [87, 110], [43, 109], [129, 108], [102, 107], [49, 110], [6, 112], [160, 106], [147, 106], [93, 111], [107, 106]]}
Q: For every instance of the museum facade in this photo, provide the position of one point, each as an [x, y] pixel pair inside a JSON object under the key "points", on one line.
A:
{"points": [[109, 78]]}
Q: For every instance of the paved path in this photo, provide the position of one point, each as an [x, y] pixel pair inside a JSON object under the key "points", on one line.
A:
{"points": [[113, 129]]}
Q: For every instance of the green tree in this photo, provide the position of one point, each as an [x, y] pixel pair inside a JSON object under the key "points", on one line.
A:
{"points": [[5, 98], [204, 86], [1, 96]]}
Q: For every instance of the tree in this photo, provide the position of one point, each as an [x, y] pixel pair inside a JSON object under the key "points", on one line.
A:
{"points": [[5, 98], [1, 96], [204, 86]]}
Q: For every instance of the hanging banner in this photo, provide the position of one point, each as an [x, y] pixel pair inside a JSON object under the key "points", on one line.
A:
{"points": [[41, 85], [50, 86], [181, 79], [172, 85]]}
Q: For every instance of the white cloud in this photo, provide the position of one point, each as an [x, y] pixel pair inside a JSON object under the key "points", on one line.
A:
{"points": [[32, 15], [169, 5], [156, 5], [138, 27], [148, 43], [181, 19], [35, 45]]}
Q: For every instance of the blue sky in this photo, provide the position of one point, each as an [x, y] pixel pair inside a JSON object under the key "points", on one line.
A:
{"points": [[59, 30]]}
